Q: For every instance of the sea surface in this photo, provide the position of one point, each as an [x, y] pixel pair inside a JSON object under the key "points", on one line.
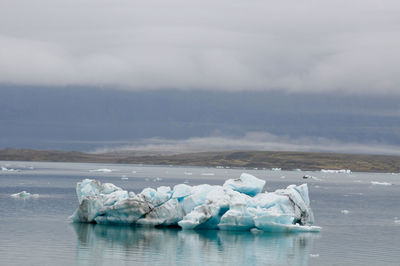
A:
{"points": [[359, 214]]}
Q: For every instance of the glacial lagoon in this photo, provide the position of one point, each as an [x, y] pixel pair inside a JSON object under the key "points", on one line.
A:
{"points": [[358, 212]]}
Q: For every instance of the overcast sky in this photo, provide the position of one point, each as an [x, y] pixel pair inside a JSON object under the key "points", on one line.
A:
{"points": [[200, 75], [314, 45]]}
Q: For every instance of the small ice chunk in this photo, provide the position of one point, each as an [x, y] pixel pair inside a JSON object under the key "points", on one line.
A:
{"points": [[5, 169], [256, 231], [341, 171], [381, 183], [345, 211], [24, 195], [311, 177], [102, 170], [276, 169], [208, 174], [246, 184], [314, 255]]}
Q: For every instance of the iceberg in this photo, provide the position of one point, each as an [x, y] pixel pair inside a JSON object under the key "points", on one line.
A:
{"points": [[239, 204], [24, 195]]}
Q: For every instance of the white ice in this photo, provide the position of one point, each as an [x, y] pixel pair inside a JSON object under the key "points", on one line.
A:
{"points": [[5, 169], [24, 195], [237, 205], [102, 170], [381, 183], [341, 171]]}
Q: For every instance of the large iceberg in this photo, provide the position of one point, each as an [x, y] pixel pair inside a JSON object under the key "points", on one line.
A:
{"points": [[237, 205]]}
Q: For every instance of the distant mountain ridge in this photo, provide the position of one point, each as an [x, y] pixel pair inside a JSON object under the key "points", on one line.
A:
{"points": [[244, 159]]}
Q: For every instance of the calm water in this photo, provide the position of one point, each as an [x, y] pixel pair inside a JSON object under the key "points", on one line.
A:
{"points": [[37, 232]]}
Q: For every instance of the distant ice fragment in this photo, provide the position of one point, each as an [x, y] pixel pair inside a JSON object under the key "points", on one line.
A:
{"points": [[345, 211], [381, 183], [311, 177], [102, 170], [276, 169], [237, 205], [341, 171], [5, 169], [24, 195], [314, 255]]}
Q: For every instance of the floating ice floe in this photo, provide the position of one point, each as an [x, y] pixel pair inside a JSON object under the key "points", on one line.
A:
{"points": [[24, 195], [381, 183], [102, 170], [311, 177], [208, 174], [237, 205], [276, 169], [5, 169], [345, 211], [341, 171]]}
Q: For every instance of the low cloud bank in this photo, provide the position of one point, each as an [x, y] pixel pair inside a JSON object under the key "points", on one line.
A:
{"points": [[251, 141]]}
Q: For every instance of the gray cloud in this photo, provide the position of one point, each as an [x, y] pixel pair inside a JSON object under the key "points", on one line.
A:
{"points": [[257, 141], [225, 45]]}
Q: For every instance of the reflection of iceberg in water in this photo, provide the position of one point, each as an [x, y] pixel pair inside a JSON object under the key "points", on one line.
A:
{"points": [[142, 245]]}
